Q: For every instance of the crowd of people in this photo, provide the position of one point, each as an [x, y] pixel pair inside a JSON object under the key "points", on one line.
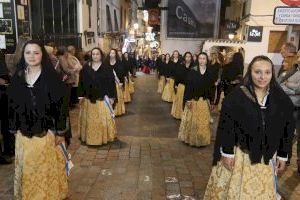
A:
{"points": [[258, 118], [257, 121], [36, 99]]}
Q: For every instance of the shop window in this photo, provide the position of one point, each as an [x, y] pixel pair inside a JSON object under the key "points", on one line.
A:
{"points": [[55, 20], [116, 21], [109, 22], [276, 40]]}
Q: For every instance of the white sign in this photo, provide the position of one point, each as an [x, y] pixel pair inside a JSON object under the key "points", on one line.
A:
{"points": [[1, 10], [286, 15], [2, 42]]}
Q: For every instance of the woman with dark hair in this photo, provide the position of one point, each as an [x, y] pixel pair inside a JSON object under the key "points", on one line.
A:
{"points": [[216, 69], [194, 128], [253, 138], [180, 78], [37, 112], [113, 61], [129, 75], [168, 91], [125, 65], [232, 73], [161, 74], [96, 86]]}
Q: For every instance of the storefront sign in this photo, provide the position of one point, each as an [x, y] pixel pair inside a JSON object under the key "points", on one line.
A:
{"points": [[231, 26], [186, 21], [286, 15], [255, 33]]}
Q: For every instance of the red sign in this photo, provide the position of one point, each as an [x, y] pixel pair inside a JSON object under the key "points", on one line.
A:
{"points": [[291, 2], [154, 18]]}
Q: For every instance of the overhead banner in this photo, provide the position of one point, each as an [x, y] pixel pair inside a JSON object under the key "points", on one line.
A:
{"points": [[191, 18]]}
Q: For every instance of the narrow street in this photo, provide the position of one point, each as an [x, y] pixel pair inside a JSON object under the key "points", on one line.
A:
{"points": [[147, 162]]}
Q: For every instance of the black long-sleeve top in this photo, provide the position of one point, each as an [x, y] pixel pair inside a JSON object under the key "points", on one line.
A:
{"points": [[231, 72], [258, 131], [198, 85], [126, 64], [34, 110], [94, 85], [181, 73], [215, 68], [119, 69], [169, 70]]}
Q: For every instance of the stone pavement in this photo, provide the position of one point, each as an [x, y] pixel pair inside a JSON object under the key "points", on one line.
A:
{"points": [[147, 162]]}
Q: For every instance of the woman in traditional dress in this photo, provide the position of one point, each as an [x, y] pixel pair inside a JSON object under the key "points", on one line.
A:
{"points": [[98, 90], [160, 74], [126, 68], [180, 78], [37, 113], [194, 128], [253, 139], [129, 72], [114, 62], [232, 72], [216, 69], [169, 92]]}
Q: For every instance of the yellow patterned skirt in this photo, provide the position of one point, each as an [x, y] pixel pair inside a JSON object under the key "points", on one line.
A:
{"points": [[168, 92], [97, 127], [194, 127], [39, 169], [177, 109], [126, 92], [131, 86], [161, 84], [120, 105], [246, 181]]}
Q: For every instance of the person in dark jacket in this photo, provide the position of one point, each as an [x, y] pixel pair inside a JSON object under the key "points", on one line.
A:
{"points": [[96, 87], [232, 73], [253, 138], [38, 117], [8, 139], [194, 127]]}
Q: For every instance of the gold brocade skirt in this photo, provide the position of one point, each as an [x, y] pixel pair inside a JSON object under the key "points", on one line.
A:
{"points": [[39, 169], [161, 84], [177, 109], [126, 92], [168, 92], [245, 181], [131, 86], [97, 127], [194, 127], [120, 104]]}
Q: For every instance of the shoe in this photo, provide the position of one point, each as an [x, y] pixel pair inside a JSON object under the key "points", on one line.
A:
{"points": [[5, 160]]}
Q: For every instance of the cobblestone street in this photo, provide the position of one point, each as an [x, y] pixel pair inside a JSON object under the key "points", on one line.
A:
{"points": [[147, 161]]}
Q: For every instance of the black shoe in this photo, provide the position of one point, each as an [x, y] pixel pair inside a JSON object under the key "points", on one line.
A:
{"points": [[5, 160]]}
